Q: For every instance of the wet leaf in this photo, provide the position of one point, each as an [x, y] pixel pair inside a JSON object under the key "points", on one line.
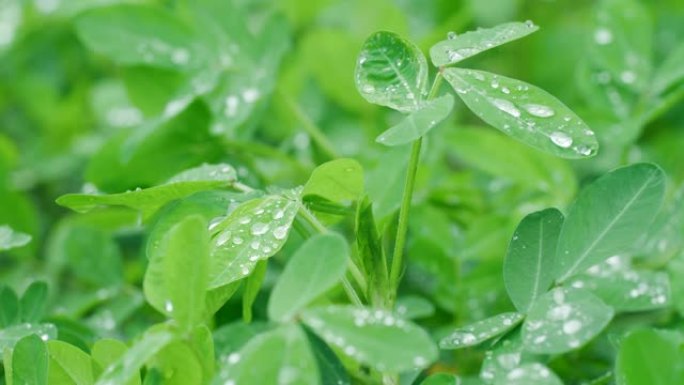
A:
{"points": [[418, 123], [480, 331]]}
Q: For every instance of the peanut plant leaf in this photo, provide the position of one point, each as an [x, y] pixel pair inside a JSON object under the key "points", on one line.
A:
{"points": [[623, 288], [413, 306], [564, 319], [418, 123], [127, 367], [611, 211], [339, 181], [471, 43], [275, 357], [330, 368], [441, 379], [10, 238], [525, 112], [138, 34], [371, 337], [670, 72], [149, 200], [649, 357], [531, 374], [178, 365], [9, 306], [254, 231], [528, 265], [480, 331], [506, 355], [33, 302], [30, 361], [322, 259], [391, 72], [106, 351], [10, 335], [68, 365]]}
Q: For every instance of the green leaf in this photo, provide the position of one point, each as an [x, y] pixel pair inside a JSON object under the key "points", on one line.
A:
{"points": [[106, 352], [181, 279], [33, 302], [137, 34], [670, 71], [30, 362], [525, 112], [506, 355], [206, 177], [10, 239], [127, 367], [10, 335], [391, 72], [441, 379], [413, 306], [68, 365], [276, 357], [384, 183], [331, 369], [471, 43], [480, 331], [611, 211], [178, 365], [340, 181], [529, 262], [9, 306], [252, 286], [623, 288], [322, 259], [622, 42], [370, 253], [371, 337], [564, 319], [649, 357], [418, 123], [531, 374], [254, 231]]}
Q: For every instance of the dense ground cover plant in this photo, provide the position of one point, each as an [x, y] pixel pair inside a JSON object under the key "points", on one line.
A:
{"points": [[236, 226]]}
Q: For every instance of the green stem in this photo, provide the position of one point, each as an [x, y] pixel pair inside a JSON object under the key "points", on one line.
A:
{"points": [[310, 127], [397, 267]]}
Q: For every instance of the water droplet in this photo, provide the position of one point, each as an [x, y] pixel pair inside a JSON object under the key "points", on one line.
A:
{"points": [[180, 56], [572, 326], [223, 238], [259, 228], [232, 102], [529, 23], [505, 90], [506, 106], [238, 240], [451, 35], [168, 306], [495, 83], [280, 232], [628, 77], [233, 358], [251, 95], [603, 36], [561, 139], [539, 110]]}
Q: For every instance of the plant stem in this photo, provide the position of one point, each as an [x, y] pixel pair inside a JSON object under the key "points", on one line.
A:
{"points": [[409, 184], [310, 127]]}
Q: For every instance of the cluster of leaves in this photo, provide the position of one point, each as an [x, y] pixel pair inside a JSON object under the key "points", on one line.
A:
{"points": [[237, 226]]}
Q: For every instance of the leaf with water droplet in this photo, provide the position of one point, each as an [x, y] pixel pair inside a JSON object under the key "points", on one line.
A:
{"points": [[418, 123], [413, 306], [68, 364], [280, 356], [471, 43], [179, 364], [10, 238], [322, 259], [29, 364], [33, 302], [478, 332], [371, 337], [391, 72], [525, 112], [106, 351], [10, 335], [622, 42], [564, 319], [530, 374], [650, 357], [330, 367], [149, 200], [506, 355], [133, 34], [339, 181], [254, 231], [608, 213], [528, 266], [624, 288]]}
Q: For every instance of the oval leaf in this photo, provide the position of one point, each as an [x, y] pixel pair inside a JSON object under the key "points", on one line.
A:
{"points": [[372, 337], [340, 181], [282, 356], [68, 364], [564, 319], [481, 331], [531, 374], [322, 260], [528, 266], [648, 357], [392, 72], [30, 362], [471, 43], [10, 335], [525, 112], [608, 217], [253, 232], [418, 123], [33, 302]]}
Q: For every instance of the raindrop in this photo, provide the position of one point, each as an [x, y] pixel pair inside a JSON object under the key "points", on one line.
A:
{"points": [[451, 35], [231, 105], [259, 228], [561, 139], [628, 77], [168, 306], [280, 232], [238, 240], [572, 326], [250, 95], [539, 110], [603, 36], [180, 56], [507, 107]]}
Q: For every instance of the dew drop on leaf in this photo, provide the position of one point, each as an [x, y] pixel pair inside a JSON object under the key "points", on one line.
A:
{"points": [[561, 139]]}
